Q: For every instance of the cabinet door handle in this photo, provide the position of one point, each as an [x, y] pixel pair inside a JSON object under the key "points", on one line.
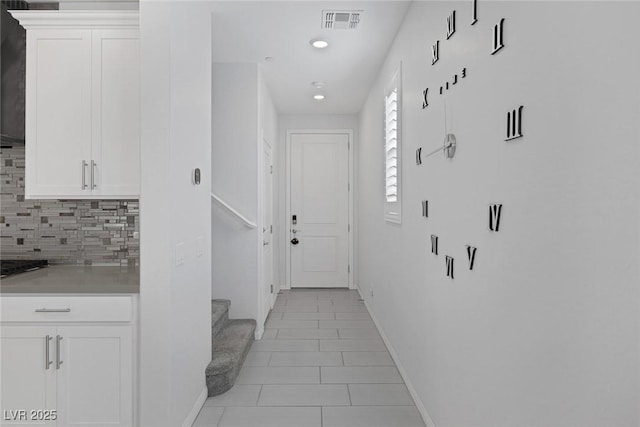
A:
{"points": [[93, 174], [53, 310], [84, 175], [47, 361], [58, 360]]}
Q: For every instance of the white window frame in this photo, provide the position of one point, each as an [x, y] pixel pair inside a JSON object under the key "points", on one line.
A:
{"points": [[393, 203]]}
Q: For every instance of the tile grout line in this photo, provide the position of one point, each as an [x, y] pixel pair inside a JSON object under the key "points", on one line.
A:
{"points": [[259, 394], [224, 409]]}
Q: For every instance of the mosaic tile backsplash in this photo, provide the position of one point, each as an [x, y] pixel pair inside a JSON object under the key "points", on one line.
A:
{"points": [[85, 232]]}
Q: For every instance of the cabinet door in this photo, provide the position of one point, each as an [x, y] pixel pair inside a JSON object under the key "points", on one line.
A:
{"points": [[116, 118], [95, 384], [28, 377], [58, 113]]}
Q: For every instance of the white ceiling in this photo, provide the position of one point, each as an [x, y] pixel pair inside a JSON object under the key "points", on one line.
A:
{"points": [[249, 31]]}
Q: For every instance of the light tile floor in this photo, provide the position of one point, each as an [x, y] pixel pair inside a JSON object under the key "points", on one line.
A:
{"points": [[321, 363]]}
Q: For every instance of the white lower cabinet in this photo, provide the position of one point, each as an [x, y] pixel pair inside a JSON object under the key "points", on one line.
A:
{"points": [[28, 381], [94, 382], [59, 374]]}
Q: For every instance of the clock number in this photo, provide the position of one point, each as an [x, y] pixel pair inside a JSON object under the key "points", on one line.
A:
{"points": [[455, 79], [435, 52], [497, 37], [514, 123], [495, 212], [425, 103], [449, 261], [447, 85], [464, 73], [451, 24], [434, 244], [474, 11], [419, 156], [440, 90], [425, 208], [471, 256]]}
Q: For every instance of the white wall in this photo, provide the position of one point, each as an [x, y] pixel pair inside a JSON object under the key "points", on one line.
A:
{"points": [[544, 330], [267, 114], [234, 160], [242, 113], [298, 122], [98, 5], [175, 313]]}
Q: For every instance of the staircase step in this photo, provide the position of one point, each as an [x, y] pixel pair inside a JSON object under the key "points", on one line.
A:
{"points": [[219, 315], [230, 348]]}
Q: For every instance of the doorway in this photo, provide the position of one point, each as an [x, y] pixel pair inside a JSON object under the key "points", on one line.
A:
{"points": [[319, 208]]}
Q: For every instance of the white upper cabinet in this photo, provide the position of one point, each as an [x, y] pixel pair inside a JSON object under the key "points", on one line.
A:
{"points": [[58, 112], [82, 120], [115, 138]]}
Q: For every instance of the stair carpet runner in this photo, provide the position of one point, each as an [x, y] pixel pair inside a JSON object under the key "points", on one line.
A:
{"points": [[231, 341]]}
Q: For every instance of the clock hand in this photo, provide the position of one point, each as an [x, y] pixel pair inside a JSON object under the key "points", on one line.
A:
{"points": [[449, 145], [437, 150]]}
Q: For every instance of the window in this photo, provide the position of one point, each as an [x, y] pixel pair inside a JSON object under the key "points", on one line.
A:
{"points": [[392, 145]]}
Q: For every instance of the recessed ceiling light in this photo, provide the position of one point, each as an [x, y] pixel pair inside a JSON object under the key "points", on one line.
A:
{"points": [[318, 84], [318, 96], [319, 43]]}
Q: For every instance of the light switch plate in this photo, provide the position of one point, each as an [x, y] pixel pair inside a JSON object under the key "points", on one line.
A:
{"points": [[180, 253], [199, 246]]}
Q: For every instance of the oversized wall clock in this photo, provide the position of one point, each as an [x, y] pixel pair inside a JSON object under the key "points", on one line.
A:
{"points": [[513, 126]]}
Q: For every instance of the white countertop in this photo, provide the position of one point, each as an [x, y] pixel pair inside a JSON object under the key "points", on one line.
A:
{"points": [[73, 280]]}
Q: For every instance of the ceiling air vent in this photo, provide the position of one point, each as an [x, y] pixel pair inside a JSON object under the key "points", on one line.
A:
{"points": [[341, 19]]}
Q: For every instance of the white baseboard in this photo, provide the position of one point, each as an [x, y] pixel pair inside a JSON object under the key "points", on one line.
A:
{"points": [[258, 333], [193, 413], [414, 394]]}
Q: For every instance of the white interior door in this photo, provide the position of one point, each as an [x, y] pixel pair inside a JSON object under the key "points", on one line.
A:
{"points": [[319, 215], [267, 228]]}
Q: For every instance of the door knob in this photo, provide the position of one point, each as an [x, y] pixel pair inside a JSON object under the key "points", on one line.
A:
{"points": [[295, 241], [265, 243]]}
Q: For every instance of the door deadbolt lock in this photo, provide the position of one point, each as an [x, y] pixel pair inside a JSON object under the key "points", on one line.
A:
{"points": [[295, 241]]}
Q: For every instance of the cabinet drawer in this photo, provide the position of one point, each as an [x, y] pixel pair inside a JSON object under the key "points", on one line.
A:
{"points": [[66, 309]]}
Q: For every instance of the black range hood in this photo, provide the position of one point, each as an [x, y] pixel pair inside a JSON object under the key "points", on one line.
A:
{"points": [[13, 68]]}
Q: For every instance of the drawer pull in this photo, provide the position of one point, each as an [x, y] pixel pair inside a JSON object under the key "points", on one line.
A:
{"points": [[53, 310], [58, 360], [47, 362]]}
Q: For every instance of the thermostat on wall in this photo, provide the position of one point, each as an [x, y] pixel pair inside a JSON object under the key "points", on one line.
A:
{"points": [[196, 176]]}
